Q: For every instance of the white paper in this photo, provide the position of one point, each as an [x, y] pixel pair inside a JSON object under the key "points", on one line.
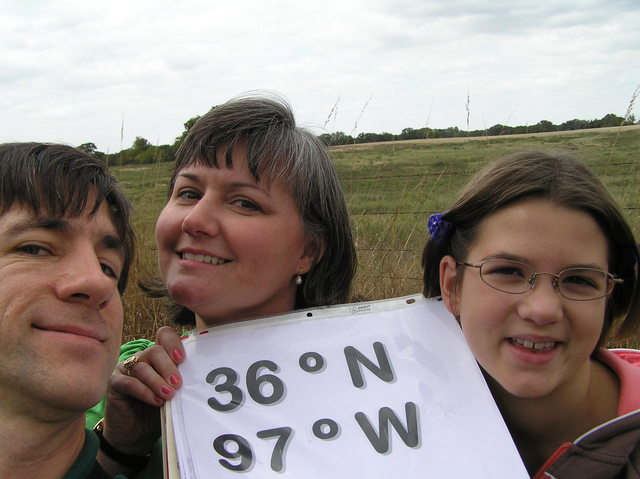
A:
{"points": [[459, 430]]}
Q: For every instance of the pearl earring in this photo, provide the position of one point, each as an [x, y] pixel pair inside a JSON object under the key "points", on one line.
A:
{"points": [[298, 279]]}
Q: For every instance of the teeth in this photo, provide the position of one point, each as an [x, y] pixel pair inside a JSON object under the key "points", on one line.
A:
{"points": [[202, 258], [532, 345]]}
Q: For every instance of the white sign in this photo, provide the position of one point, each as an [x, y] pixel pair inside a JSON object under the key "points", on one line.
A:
{"points": [[377, 390]]}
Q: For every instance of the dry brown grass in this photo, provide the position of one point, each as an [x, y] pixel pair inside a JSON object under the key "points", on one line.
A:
{"points": [[392, 188]]}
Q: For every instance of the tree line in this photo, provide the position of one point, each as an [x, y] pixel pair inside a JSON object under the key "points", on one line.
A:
{"points": [[143, 152]]}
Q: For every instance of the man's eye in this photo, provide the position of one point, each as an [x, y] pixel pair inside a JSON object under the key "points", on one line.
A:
{"points": [[34, 250], [109, 271]]}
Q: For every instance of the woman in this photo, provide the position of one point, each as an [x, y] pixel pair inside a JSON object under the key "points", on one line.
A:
{"points": [[540, 268], [256, 224]]}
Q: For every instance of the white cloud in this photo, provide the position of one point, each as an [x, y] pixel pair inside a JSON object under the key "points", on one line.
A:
{"points": [[71, 71]]}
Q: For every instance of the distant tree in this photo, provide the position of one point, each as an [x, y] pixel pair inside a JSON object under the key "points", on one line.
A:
{"points": [[142, 152], [611, 120], [451, 132], [89, 148], [364, 137], [574, 124], [546, 125], [495, 130], [410, 134], [140, 144], [187, 126], [336, 138]]}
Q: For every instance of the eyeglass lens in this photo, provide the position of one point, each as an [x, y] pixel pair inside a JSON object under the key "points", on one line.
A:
{"points": [[579, 284]]}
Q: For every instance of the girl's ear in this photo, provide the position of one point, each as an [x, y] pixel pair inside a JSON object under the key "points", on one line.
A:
{"points": [[449, 283]]}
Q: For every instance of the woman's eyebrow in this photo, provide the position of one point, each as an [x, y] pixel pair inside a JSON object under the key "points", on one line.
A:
{"points": [[253, 186], [189, 176]]}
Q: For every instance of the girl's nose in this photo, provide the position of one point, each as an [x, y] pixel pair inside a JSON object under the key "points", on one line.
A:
{"points": [[543, 304]]}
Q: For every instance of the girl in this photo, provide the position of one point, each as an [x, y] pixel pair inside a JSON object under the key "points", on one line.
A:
{"points": [[539, 267], [256, 224]]}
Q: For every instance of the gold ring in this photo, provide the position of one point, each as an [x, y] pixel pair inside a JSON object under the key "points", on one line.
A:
{"points": [[129, 364]]}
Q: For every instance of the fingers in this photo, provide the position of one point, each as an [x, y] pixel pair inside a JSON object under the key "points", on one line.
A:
{"points": [[123, 387], [168, 338], [152, 378], [152, 375]]}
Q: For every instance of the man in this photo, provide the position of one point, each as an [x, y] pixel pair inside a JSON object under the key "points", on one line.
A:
{"points": [[66, 244]]}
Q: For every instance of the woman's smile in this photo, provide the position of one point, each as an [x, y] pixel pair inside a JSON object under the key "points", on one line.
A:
{"points": [[230, 247]]}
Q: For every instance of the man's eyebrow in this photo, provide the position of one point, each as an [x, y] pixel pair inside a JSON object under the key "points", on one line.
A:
{"points": [[41, 222], [61, 225], [112, 242]]}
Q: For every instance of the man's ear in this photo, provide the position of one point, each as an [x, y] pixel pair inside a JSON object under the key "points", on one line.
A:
{"points": [[449, 283]]}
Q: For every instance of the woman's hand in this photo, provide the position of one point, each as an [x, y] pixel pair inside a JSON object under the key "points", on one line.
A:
{"points": [[137, 388]]}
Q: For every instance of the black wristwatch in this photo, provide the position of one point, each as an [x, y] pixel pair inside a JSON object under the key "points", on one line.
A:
{"points": [[112, 453]]}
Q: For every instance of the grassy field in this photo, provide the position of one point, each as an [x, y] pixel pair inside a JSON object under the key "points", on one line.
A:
{"points": [[392, 188]]}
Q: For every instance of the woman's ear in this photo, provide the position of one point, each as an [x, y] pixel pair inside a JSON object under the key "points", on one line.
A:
{"points": [[449, 283], [312, 254]]}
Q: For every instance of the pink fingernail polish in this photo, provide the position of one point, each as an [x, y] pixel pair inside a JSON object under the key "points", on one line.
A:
{"points": [[174, 379], [177, 355], [165, 389], [159, 401]]}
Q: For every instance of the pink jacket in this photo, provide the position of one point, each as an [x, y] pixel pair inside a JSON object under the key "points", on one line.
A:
{"points": [[611, 450]]}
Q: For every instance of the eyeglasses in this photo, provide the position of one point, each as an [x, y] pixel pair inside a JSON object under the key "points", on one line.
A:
{"points": [[514, 277]]}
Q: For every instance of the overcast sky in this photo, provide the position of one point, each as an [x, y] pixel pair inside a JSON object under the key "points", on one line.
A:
{"points": [[77, 71]]}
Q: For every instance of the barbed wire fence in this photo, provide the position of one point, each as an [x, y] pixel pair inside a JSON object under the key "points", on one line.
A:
{"points": [[373, 275]]}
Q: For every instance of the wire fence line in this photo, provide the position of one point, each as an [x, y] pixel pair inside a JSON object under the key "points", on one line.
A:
{"points": [[380, 213], [454, 173], [417, 252]]}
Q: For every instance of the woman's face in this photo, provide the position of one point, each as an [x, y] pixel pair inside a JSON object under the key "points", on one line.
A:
{"points": [[536, 343], [228, 247]]}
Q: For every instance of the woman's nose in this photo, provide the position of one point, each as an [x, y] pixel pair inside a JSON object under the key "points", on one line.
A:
{"points": [[202, 219]]}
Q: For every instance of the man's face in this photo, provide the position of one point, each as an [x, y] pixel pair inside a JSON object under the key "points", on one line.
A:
{"points": [[60, 310]]}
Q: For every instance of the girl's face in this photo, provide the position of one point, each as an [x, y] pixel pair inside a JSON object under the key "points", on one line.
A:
{"points": [[228, 247], [536, 343]]}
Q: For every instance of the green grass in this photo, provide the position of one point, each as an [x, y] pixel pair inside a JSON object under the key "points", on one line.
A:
{"points": [[392, 188]]}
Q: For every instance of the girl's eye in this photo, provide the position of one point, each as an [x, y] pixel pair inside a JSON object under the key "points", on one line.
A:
{"points": [[505, 270], [34, 250], [510, 271], [580, 280]]}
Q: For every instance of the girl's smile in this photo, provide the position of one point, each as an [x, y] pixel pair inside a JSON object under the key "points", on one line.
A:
{"points": [[536, 343]]}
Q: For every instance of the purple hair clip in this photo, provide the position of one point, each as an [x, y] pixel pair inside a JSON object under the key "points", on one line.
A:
{"points": [[439, 229]]}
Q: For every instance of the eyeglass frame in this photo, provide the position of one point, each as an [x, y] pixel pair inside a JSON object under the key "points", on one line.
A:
{"points": [[532, 280]]}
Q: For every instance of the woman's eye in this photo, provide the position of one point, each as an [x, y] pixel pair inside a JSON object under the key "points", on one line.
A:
{"points": [[188, 195], [34, 250], [246, 204]]}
